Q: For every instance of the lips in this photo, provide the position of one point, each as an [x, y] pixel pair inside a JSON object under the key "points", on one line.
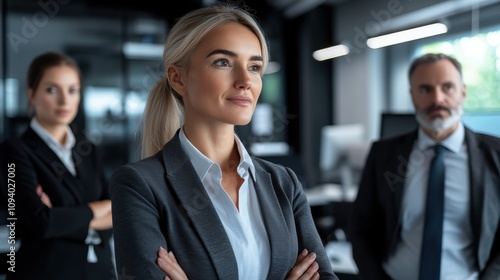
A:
{"points": [[241, 100], [62, 112], [437, 111]]}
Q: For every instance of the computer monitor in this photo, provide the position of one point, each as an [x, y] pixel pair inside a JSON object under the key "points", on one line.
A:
{"points": [[392, 124], [336, 141]]}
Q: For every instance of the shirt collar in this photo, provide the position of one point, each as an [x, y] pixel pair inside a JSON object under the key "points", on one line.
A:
{"points": [[202, 163], [49, 139], [453, 142]]}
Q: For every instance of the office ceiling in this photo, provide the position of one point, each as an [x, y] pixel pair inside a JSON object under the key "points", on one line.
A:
{"points": [[172, 9], [293, 8]]}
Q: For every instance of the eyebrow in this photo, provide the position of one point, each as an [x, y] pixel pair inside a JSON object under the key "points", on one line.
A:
{"points": [[431, 85], [233, 54]]}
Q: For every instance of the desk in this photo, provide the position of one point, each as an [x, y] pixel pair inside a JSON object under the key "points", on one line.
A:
{"points": [[340, 255], [327, 193], [331, 207]]}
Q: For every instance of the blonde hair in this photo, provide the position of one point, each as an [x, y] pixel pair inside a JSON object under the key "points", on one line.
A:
{"points": [[164, 111]]}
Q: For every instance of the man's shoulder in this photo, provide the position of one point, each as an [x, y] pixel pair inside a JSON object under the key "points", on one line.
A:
{"points": [[395, 141], [488, 140]]}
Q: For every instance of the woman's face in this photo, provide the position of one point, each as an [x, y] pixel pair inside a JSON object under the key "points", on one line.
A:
{"points": [[57, 96], [222, 82]]}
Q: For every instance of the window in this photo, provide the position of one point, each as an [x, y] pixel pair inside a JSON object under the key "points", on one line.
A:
{"points": [[480, 58]]}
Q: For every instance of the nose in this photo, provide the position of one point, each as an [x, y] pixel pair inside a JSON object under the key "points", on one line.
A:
{"points": [[243, 79], [438, 95], [63, 97]]}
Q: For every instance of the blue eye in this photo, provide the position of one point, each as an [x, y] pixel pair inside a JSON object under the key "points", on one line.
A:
{"points": [[221, 62], [256, 68]]}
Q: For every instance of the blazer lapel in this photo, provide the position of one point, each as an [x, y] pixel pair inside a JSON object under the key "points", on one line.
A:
{"points": [[398, 168], [394, 177], [476, 185], [199, 209], [274, 223], [64, 177]]}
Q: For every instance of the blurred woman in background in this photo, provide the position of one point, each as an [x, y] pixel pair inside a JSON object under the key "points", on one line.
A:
{"points": [[62, 203]]}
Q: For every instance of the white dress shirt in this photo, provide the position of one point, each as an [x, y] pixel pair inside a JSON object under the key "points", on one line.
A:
{"points": [[244, 228], [457, 259], [63, 151]]}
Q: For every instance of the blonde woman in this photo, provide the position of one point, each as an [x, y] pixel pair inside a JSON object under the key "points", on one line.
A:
{"points": [[198, 206]]}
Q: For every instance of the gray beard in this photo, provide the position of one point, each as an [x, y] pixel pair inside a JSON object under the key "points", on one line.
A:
{"points": [[439, 124]]}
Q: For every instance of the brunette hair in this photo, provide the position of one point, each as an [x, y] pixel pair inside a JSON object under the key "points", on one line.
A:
{"points": [[43, 62]]}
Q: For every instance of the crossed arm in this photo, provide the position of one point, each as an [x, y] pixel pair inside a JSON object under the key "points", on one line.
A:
{"points": [[305, 267]]}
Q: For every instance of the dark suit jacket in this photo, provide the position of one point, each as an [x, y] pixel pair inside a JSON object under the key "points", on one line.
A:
{"points": [[375, 227], [160, 201], [53, 239]]}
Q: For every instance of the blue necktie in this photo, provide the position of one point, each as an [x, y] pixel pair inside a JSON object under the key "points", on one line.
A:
{"points": [[430, 258]]}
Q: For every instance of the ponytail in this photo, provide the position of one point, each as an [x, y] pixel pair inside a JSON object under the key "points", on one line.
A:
{"points": [[162, 118], [164, 112]]}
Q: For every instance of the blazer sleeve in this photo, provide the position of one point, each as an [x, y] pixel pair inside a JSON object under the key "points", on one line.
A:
{"points": [[492, 269], [104, 180], [40, 221], [307, 235], [136, 225], [366, 224]]}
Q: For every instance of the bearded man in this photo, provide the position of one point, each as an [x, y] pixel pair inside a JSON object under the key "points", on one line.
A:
{"points": [[428, 205]]}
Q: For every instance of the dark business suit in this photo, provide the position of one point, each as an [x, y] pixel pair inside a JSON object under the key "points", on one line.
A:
{"points": [[376, 226], [160, 201], [53, 239]]}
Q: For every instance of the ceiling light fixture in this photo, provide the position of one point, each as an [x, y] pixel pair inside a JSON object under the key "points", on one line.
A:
{"points": [[331, 52], [138, 50], [407, 35]]}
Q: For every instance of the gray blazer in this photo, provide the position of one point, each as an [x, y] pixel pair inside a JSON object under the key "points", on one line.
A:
{"points": [[160, 201], [376, 227]]}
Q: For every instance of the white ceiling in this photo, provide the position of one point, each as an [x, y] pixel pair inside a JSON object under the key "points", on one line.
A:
{"points": [[293, 8]]}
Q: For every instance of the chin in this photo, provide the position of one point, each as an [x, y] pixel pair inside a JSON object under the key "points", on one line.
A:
{"points": [[242, 122], [438, 123]]}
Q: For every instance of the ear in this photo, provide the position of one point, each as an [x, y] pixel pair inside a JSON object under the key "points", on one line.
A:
{"points": [[174, 76], [412, 96], [464, 91], [31, 94]]}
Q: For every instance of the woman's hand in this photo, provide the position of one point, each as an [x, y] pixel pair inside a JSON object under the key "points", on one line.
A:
{"points": [[102, 219], [100, 208], [43, 196], [168, 263], [305, 267]]}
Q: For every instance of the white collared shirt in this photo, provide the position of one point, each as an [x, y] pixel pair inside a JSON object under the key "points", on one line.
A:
{"points": [[244, 228], [457, 259], [63, 151]]}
